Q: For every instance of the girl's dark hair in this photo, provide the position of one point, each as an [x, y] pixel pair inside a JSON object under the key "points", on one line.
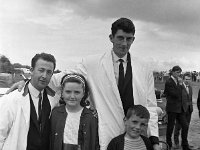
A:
{"points": [[72, 78]]}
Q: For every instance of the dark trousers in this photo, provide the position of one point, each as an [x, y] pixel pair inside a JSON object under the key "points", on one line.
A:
{"points": [[178, 127], [181, 117]]}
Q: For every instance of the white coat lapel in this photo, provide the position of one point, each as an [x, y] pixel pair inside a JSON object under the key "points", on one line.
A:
{"points": [[25, 103], [137, 79], [109, 69]]}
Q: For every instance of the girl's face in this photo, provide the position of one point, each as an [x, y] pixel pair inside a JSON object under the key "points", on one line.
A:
{"points": [[73, 93]]}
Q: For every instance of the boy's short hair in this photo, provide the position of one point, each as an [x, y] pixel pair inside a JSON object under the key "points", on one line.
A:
{"points": [[139, 111]]}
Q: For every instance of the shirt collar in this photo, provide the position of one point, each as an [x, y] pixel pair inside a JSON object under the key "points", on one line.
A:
{"points": [[116, 58], [175, 80], [185, 84], [33, 91]]}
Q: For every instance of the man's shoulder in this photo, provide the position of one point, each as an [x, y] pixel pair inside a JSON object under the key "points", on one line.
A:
{"points": [[170, 80], [93, 57], [11, 99], [92, 61], [13, 95]]}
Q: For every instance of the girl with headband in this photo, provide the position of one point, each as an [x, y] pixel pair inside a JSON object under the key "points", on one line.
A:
{"points": [[73, 126]]}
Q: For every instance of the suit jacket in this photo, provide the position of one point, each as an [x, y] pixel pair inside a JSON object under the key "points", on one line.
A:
{"points": [[198, 102], [187, 99], [88, 137], [173, 96], [106, 98], [15, 119]]}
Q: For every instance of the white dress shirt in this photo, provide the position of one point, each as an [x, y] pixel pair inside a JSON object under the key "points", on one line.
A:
{"points": [[116, 63], [35, 96]]}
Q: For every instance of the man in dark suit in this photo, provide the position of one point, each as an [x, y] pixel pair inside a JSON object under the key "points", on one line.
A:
{"points": [[198, 103], [187, 101], [175, 108]]}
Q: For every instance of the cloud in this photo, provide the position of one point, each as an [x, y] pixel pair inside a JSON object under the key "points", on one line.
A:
{"points": [[182, 15], [68, 28]]}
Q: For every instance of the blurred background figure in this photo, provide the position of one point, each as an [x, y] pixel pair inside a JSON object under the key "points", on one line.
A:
{"points": [[186, 96]]}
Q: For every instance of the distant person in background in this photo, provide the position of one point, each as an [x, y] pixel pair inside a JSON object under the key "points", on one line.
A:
{"points": [[136, 122], [73, 126], [186, 96], [24, 120], [175, 108]]}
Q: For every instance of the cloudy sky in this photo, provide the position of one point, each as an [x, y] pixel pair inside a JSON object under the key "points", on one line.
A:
{"points": [[167, 31]]}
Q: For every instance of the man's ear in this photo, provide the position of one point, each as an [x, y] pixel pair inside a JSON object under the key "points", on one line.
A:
{"points": [[31, 70], [111, 37], [133, 38]]}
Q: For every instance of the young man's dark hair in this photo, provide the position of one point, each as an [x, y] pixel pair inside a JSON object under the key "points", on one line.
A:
{"points": [[176, 68], [124, 24]]}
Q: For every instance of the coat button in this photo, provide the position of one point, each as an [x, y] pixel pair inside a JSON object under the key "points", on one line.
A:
{"points": [[56, 133]]}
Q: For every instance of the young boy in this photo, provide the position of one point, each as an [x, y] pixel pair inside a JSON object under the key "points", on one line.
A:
{"points": [[136, 122]]}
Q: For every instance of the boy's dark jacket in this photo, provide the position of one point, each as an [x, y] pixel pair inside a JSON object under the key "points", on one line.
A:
{"points": [[117, 143], [88, 137]]}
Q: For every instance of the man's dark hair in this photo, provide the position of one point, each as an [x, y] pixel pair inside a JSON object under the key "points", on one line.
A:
{"points": [[43, 56], [124, 24], [139, 111], [176, 68]]}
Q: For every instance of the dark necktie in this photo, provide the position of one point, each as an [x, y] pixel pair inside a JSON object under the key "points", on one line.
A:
{"points": [[40, 108], [121, 76]]}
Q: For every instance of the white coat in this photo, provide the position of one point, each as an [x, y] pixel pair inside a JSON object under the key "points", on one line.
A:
{"points": [[99, 71], [15, 119]]}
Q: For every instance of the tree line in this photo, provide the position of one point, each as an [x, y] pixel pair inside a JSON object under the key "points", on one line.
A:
{"points": [[7, 67]]}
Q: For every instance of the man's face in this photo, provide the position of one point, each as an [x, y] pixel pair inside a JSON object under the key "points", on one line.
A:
{"points": [[121, 42], [187, 80], [135, 126], [41, 74], [176, 74]]}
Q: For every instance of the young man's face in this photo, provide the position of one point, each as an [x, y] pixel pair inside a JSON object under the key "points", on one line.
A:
{"points": [[121, 42], [41, 74], [135, 126], [176, 74]]}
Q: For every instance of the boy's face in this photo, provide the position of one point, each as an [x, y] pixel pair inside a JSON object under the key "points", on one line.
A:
{"points": [[121, 42], [134, 126]]}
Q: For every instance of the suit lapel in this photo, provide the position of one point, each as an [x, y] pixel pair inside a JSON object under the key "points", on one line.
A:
{"points": [[25, 103]]}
